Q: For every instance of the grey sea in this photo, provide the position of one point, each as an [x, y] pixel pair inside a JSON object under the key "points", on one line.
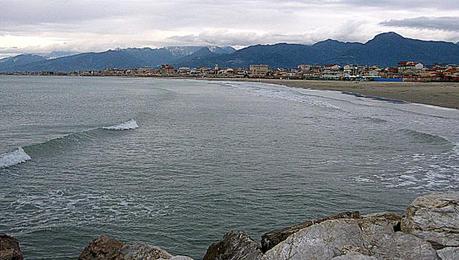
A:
{"points": [[178, 163]]}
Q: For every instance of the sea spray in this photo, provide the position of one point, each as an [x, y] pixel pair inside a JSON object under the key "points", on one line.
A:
{"points": [[13, 158], [128, 125]]}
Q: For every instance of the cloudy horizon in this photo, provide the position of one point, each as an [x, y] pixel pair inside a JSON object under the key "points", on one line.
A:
{"points": [[37, 26]]}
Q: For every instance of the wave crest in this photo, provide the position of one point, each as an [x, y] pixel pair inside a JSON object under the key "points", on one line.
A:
{"points": [[128, 125], [425, 137], [18, 155], [13, 158]]}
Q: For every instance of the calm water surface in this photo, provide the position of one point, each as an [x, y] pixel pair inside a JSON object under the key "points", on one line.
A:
{"points": [[207, 157]]}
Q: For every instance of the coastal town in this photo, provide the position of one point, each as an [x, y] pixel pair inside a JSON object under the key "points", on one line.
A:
{"points": [[409, 71]]}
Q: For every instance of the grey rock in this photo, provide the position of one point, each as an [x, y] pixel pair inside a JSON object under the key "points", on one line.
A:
{"points": [[434, 218], [179, 257], [9, 248], [449, 253], [379, 232], [372, 236], [105, 247], [354, 256], [320, 241], [139, 251], [389, 220], [272, 238], [402, 246], [234, 246]]}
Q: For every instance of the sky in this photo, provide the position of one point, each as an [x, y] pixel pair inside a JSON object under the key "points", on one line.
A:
{"points": [[43, 26]]}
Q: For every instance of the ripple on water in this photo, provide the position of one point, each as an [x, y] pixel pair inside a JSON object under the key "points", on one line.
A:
{"points": [[32, 212]]}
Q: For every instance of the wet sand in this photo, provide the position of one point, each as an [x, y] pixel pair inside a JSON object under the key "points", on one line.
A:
{"points": [[444, 94]]}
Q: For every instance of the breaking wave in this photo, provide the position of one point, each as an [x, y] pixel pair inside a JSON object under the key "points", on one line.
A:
{"points": [[394, 101], [13, 158], [421, 171], [128, 125], [425, 137], [285, 93], [18, 155], [372, 119]]}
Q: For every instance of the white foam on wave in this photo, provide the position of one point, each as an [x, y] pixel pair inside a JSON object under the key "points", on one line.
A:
{"points": [[13, 158], [69, 206], [128, 125], [281, 92], [435, 107], [432, 172]]}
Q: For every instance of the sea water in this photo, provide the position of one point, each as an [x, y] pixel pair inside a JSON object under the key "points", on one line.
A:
{"points": [[177, 163]]}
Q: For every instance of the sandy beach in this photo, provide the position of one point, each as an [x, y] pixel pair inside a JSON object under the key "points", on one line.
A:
{"points": [[444, 94]]}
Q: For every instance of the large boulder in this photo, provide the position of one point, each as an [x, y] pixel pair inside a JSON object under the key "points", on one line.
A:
{"points": [[434, 218], [105, 247], [321, 241], [234, 246], [9, 248], [272, 238], [371, 237], [449, 253], [143, 251]]}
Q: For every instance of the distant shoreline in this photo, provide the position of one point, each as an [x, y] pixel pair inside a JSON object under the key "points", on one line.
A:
{"points": [[443, 94]]}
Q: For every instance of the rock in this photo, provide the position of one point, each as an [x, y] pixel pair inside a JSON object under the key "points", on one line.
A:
{"points": [[9, 248], [402, 246], [270, 239], [385, 219], [234, 246], [320, 241], [103, 247], [179, 257], [371, 236], [354, 256], [381, 237], [434, 218], [449, 253], [143, 251]]}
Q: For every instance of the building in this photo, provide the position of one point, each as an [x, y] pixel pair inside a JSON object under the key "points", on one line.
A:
{"points": [[184, 70], [332, 72], [304, 67], [167, 69], [259, 70]]}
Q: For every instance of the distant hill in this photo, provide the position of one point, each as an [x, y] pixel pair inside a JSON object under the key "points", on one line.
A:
{"points": [[390, 48], [19, 61], [386, 49], [121, 58], [203, 55]]}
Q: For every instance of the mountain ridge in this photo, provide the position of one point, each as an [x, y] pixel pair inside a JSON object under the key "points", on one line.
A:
{"points": [[385, 49]]}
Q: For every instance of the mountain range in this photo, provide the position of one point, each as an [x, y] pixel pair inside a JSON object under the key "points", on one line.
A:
{"points": [[386, 49]]}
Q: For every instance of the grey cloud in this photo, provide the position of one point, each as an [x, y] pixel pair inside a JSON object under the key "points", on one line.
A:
{"points": [[435, 23], [397, 4], [14, 12], [223, 38], [83, 25]]}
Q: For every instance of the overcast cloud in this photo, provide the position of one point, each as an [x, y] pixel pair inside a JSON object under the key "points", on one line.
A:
{"points": [[435, 23], [91, 25]]}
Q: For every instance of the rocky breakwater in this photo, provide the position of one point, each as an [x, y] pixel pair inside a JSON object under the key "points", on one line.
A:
{"points": [[429, 229]]}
